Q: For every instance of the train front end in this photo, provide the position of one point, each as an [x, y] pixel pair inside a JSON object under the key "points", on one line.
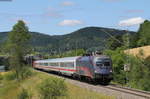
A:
{"points": [[103, 69]]}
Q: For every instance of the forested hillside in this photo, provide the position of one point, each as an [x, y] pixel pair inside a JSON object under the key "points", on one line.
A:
{"points": [[89, 38]]}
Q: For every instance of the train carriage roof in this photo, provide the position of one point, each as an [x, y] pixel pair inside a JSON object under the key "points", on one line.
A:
{"points": [[66, 59]]}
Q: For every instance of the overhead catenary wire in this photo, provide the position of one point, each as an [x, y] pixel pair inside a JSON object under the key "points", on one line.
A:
{"points": [[112, 36]]}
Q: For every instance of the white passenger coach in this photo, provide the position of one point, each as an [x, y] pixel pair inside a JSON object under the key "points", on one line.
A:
{"points": [[66, 65]]}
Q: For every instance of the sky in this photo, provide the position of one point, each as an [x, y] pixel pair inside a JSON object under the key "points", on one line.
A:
{"points": [[58, 17]]}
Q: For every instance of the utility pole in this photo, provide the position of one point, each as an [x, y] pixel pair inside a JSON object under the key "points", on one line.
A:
{"points": [[128, 58], [76, 47], [59, 52]]}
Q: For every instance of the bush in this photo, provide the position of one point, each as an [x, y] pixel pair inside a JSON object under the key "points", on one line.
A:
{"points": [[24, 94], [52, 88], [7, 65], [10, 76], [26, 72], [1, 77], [22, 74]]}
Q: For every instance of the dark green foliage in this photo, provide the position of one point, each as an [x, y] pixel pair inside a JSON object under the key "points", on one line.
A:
{"points": [[77, 52], [10, 76], [4, 62], [7, 65], [139, 74], [118, 59], [1, 77], [144, 34], [90, 38], [24, 94], [115, 42], [52, 88], [16, 47], [137, 77], [142, 37], [26, 72]]}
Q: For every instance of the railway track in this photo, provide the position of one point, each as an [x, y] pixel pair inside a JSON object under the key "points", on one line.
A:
{"points": [[136, 92], [113, 90]]}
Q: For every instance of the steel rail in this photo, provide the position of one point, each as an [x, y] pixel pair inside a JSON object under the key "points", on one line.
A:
{"points": [[132, 91]]}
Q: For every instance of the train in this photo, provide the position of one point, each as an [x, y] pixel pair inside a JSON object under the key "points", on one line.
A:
{"points": [[97, 68]]}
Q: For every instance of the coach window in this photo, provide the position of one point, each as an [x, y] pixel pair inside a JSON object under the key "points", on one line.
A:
{"points": [[62, 64], [70, 64], [45, 64], [53, 64], [36, 63]]}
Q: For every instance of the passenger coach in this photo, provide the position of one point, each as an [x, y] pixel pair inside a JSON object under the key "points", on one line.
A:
{"points": [[63, 65]]}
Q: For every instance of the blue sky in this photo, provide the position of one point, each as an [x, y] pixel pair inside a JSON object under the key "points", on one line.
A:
{"points": [[57, 17]]}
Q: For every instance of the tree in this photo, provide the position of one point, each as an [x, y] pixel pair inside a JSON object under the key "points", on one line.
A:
{"points": [[17, 46], [139, 74], [113, 43], [144, 34], [118, 59]]}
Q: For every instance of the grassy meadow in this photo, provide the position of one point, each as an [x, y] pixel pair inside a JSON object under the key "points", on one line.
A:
{"points": [[145, 50], [10, 89]]}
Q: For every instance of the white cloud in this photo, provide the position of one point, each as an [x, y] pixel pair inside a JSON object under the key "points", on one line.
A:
{"points": [[70, 23], [68, 3], [131, 21]]}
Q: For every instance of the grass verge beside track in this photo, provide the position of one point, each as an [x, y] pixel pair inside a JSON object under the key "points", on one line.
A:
{"points": [[9, 89]]}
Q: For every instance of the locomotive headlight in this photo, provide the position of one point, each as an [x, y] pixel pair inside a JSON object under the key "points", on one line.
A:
{"points": [[96, 71], [111, 71]]}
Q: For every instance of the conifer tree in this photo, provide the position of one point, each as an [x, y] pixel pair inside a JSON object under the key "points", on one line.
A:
{"points": [[17, 46]]}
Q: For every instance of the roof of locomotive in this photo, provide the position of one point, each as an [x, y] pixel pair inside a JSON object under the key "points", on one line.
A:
{"points": [[65, 59], [102, 56], [86, 58]]}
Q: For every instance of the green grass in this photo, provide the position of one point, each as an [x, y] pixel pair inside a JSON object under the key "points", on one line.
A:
{"points": [[11, 89]]}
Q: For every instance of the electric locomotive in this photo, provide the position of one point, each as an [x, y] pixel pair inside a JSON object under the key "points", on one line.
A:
{"points": [[96, 68]]}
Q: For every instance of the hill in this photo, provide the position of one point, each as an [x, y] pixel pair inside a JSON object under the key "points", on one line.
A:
{"points": [[91, 38]]}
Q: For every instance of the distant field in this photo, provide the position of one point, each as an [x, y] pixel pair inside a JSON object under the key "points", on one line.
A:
{"points": [[10, 89], [140, 50]]}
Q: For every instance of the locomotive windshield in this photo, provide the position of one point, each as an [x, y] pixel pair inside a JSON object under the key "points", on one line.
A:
{"points": [[106, 63], [99, 64], [103, 62]]}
